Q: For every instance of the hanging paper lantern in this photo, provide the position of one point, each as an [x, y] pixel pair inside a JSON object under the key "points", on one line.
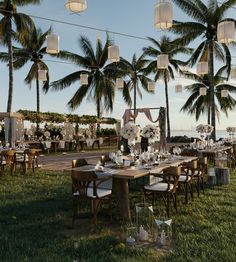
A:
{"points": [[224, 93], [114, 53], [202, 68], [151, 86], [225, 32], [202, 91], [83, 79], [119, 83], [52, 44], [233, 72], [42, 75], [178, 88], [163, 15], [76, 5], [162, 61]]}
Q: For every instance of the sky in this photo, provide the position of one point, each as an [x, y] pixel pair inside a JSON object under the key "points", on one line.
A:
{"points": [[132, 17]]}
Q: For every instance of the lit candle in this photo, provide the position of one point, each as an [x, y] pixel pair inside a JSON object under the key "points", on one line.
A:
{"points": [[121, 148]]}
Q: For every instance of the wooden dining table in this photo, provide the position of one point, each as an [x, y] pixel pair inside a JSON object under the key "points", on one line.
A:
{"points": [[122, 175]]}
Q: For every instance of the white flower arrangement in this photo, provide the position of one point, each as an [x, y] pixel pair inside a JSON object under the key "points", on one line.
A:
{"points": [[63, 132], [150, 131], [129, 131], [231, 129], [29, 132], [47, 134], [204, 128]]}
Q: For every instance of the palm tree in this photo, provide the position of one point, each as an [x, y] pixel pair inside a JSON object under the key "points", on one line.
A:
{"points": [[134, 73], [200, 105], [23, 23], [32, 50], [101, 78], [206, 19], [171, 48]]}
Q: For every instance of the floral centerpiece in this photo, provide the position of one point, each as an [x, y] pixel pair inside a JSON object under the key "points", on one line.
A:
{"points": [[151, 132], [203, 130], [231, 130], [129, 131]]}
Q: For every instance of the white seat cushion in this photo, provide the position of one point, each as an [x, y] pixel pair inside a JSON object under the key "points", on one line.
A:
{"points": [[100, 192], [184, 178], [159, 187]]}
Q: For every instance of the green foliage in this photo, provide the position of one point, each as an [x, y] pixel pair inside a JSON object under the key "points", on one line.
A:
{"points": [[52, 117], [106, 132]]}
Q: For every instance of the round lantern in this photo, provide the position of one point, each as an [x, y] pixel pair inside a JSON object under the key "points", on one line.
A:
{"points": [[202, 91], [114, 53], [83, 79], [162, 61], [76, 5], [202, 68], [52, 44], [224, 93], [178, 88], [151, 86], [225, 32], [42, 75], [163, 15], [233, 72], [119, 83]]}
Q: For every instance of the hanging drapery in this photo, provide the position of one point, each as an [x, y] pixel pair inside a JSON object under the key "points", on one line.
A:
{"points": [[128, 115]]}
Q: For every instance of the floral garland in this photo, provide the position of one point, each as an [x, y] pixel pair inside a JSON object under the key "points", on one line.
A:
{"points": [[129, 131], [204, 128], [150, 131], [231, 129]]}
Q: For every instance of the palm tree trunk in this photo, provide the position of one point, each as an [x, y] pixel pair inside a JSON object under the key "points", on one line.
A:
{"points": [[10, 53], [98, 112], [211, 85], [135, 97], [10, 87], [167, 108], [209, 116], [37, 100]]}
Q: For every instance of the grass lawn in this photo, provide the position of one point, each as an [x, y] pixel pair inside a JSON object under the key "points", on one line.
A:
{"points": [[35, 219]]}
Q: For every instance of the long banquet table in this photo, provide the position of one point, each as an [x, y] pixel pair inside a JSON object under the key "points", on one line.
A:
{"points": [[121, 176]]}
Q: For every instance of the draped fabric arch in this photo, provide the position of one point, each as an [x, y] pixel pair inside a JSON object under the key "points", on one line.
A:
{"points": [[129, 115]]}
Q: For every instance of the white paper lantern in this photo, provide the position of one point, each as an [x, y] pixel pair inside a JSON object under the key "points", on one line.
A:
{"points": [[119, 83], [233, 72], [42, 75], [162, 61], [151, 86], [202, 91], [163, 15], [114, 53], [225, 32], [224, 93], [202, 68], [76, 5], [83, 79], [178, 88], [52, 44]]}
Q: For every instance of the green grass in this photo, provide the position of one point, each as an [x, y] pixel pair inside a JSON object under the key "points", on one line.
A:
{"points": [[35, 219]]}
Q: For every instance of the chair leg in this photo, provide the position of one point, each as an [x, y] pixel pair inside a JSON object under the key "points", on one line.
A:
{"points": [[191, 189], [186, 192], [75, 210]]}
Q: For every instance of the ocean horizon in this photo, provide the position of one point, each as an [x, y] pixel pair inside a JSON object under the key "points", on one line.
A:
{"points": [[194, 133]]}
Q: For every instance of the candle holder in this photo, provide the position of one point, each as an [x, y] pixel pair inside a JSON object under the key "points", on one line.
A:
{"points": [[144, 221], [163, 230]]}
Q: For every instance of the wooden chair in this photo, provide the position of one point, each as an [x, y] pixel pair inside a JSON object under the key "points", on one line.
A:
{"points": [[7, 158], [29, 159], [186, 177], [166, 188], [85, 187], [79, 162], [200, 173]]}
